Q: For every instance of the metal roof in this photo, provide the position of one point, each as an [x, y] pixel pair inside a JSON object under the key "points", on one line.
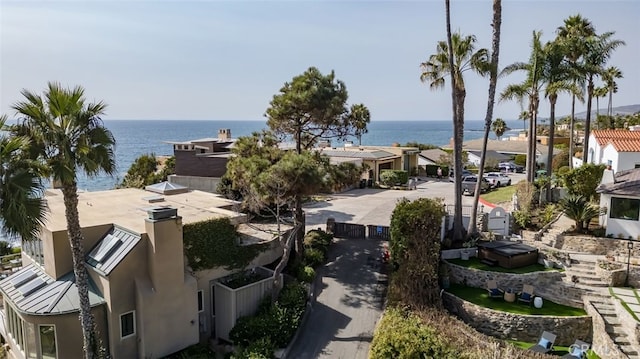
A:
{"points": [[33, 292], [111, 249], [626, 183]]}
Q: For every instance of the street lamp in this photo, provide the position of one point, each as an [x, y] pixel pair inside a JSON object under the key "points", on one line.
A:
{"points": [[629, 247]]}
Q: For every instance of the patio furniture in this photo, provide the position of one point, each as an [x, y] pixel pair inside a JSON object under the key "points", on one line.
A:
{"points": [[537, 302], [493, 290], [577, 350], [526, 296], [509, 296], [545, 344]]}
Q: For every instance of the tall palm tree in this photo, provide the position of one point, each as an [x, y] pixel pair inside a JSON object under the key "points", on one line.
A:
{"points": [[556, 74], [499, 127], [609, 77], [453, 58], [22, 208], [599, 92], [573, 34], [361, 117], [72, 138], [528, 89], [493, 80], [598, 50]]}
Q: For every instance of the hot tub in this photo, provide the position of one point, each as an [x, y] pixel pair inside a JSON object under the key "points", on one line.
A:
{"points": [[508, 254]]}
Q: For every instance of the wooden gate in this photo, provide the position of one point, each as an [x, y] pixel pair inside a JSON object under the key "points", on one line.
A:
{"points": [[378, 232], [349, 230]]}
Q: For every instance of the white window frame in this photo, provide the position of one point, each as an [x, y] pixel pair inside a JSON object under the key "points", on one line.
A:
{"points": [[133, 313], [55, 337], [200, 301]]}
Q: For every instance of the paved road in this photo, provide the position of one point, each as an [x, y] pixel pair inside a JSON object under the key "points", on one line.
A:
{"points": [[350, 288]]}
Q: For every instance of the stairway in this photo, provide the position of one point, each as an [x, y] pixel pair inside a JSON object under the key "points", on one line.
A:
{"points": [[584, 271], [613, 326]]}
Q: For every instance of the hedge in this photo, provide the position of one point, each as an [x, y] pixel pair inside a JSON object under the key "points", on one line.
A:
{"points": [[393, 177]]}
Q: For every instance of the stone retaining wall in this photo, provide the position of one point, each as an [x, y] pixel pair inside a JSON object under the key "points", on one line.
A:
{"points": [[520, 327], [613, 277], [601, 342], [595, 245], [548, 284]]}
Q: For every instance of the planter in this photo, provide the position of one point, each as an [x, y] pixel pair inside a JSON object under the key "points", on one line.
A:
{"points": [[464, 255]]}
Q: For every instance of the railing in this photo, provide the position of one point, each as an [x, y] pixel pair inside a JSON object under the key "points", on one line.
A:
{"points": [[10, 263]]}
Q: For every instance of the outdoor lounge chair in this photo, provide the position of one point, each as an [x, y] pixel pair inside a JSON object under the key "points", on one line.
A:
{"points": [[526, 296], [545, 344], [493, 290], [577, 350]]}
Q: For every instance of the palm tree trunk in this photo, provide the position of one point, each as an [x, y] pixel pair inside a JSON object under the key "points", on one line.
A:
{"points": [[530, 141], [90, 342], [552, 130], [612, 123], [597, 112], [587, 123], [458, 133], [493, 79], [572, 129]]}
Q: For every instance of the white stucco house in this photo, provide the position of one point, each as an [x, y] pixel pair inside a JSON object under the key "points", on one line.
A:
{"points": [[619, 149], [620, 195]]}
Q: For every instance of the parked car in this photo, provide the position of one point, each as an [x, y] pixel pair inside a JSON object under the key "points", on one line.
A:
{"points": [[465, 173], [469, 185], [497, 179], [510, 167]]}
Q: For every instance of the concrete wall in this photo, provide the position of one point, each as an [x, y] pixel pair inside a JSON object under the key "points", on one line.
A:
{"points": [[57, 249], [188, 163], [595, 245], [527, 328]]}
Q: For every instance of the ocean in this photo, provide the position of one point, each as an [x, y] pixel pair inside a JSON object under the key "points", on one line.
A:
{"points": [[137, 137]]}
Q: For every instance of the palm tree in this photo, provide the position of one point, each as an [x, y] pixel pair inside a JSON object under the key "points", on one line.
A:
{"points": [[599, 92], [598, 49], [573, 34], [493, 79], [609, 77], [556, 74], [22, 208], [530, 89], [361, 118], [499, 127], [580, 210], [72, 138], [453, 58]]}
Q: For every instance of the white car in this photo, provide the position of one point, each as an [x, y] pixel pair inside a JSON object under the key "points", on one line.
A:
{"points": [[497, 179]]}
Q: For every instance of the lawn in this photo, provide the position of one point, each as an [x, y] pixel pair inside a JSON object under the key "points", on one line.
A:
{"points": [[475, 263], [557, 350], [480, 297], [499, 195]]}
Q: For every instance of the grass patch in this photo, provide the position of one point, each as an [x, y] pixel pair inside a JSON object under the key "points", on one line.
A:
{"points": [[480, 297], [474, 263], [499, 195], [624, 304], [557, 350]]}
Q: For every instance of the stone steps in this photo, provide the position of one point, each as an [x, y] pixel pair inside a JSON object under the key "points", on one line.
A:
{"points": [[613, 327], [629, 351]]}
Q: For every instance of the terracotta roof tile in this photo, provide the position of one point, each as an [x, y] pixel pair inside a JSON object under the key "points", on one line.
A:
{"points": [[626, 145], [604, 136]]}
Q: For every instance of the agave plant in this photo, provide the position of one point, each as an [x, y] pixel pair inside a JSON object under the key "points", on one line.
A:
{"points": [[580, 210]]}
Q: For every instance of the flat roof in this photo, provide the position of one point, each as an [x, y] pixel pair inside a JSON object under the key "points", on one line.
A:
{"points": [[128, 207]]}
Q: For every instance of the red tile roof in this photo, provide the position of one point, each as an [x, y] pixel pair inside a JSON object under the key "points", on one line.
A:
{"points": [[622, 140]]}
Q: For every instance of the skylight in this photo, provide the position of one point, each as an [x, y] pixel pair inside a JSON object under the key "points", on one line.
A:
{"points": [[22, 278], [106, 248], [32, 286]]}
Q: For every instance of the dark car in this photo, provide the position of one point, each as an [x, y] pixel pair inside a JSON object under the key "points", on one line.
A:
{"points": [[465, 173], [469, 185]]}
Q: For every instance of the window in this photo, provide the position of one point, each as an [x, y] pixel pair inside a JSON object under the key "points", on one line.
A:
{"points": [[625, 208], [127, 324], [637, 165], [200, 301], [48, 341]]}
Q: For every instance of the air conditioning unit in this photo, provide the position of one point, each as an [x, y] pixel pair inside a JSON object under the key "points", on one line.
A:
{"points": [[158, 213]]}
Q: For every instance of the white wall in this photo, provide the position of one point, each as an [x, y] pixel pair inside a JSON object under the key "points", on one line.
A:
{"points": [[618, 226], [609, 153], [628, 160]]}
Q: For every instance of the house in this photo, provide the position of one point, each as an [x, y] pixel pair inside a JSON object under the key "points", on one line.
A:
{"points": [[201, 163], [375, 158], [509, 148], [146, 299], [490, 157], [619, 148], [620, 195], [431, 157]]}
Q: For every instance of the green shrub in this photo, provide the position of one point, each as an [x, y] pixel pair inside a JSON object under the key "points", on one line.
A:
{"points": [[306, 274], [16, 250], [582, 181], [318, 239], [548, 213], [432, 170], [402, 334], [276, 323], [522, 218], [394, 177], [313, 257], [5, 248], [260, 349], [520, 160]]}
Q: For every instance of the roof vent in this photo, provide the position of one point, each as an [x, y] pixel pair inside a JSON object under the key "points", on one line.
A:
{"points": [[109, 244], [159, 213]]}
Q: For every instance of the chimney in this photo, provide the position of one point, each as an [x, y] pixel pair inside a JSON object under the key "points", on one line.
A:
{"points": [[224, 134], [166, 248], [608, 176]]}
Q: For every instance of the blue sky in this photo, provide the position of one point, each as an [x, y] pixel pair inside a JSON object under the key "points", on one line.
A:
{"points": [[224, 60]]}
